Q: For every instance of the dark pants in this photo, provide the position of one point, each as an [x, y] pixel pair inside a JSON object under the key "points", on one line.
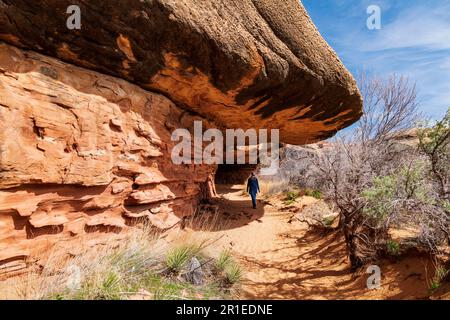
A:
{"points": [[253, 195]]}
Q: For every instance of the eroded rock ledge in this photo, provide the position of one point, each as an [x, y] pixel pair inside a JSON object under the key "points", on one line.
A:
{"points": [[85, 143], [82, 152], [240, 63]]}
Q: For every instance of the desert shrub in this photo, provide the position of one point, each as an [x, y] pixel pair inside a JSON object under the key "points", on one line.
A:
{"points": [[135, 266], [178, 257], [359, 174], [230, 270], [233, 273], [393, 248], [224, 260], [379, 199], [440, 274], [315, 193], [328, 221], [292, 195], [376, 182], [391, 196], [434, 143]]}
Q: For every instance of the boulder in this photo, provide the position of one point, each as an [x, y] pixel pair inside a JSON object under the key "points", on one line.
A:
{"points": [[195, 274]]}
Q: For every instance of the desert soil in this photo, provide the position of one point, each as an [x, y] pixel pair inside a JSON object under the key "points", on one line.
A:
{"points": [[284, 259]]}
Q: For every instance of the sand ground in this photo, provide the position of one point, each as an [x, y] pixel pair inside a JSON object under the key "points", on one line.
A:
{"points": [[286, 260]]}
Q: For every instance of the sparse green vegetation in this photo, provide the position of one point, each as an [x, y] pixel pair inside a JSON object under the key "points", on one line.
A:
{"points": [[379, 199], [178, 257], [103, 287], [439, 275], [434, 143], [224, 260], [233, 273], [446, 205], [393, 248], [141, 267], [291, 197], [328, 221], [379, 177], [315, 193]]}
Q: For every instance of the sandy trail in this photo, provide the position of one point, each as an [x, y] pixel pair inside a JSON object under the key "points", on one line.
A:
{"points": [[286, 260]]}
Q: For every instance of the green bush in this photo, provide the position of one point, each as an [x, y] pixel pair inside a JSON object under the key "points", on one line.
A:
{"points": [[328, 221], [107, 286], [412, 182], [393, 248], [292, 195], [446, 205], [178, 257], [379, 198], [439, 275], [233, 273], [434, 142], [392, 190], [224, 260], [313, 193]]}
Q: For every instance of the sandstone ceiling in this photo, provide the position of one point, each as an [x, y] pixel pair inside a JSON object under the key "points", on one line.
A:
{"points": [[240, 64]]}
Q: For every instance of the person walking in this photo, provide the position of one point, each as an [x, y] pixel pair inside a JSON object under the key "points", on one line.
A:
{"points": [[253, 188]]}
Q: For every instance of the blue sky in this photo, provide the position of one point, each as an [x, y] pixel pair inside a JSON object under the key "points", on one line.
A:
{"points": [[414, 40]]}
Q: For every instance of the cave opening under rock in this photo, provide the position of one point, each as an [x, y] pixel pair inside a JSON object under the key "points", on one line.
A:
{"points": [[233, 173]]}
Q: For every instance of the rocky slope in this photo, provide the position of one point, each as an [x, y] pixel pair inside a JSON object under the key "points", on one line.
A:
{"points": [[86, 122], [295, 161]]}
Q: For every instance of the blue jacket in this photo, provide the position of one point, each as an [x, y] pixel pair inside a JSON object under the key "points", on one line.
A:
{"points": [[252, 185]]}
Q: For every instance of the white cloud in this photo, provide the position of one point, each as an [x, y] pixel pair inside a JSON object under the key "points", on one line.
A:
{"points": [[445, 64], [414, 41], [420, 27]]}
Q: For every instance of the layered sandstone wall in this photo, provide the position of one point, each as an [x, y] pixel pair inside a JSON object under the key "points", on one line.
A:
{"points": [[83, 153], [85, 143]]}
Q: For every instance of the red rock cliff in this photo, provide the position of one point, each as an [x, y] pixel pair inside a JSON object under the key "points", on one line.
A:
{"points": [[86, 122]]}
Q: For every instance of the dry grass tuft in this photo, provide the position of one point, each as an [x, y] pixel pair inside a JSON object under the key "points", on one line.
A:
{"points": [[144, 265]]}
